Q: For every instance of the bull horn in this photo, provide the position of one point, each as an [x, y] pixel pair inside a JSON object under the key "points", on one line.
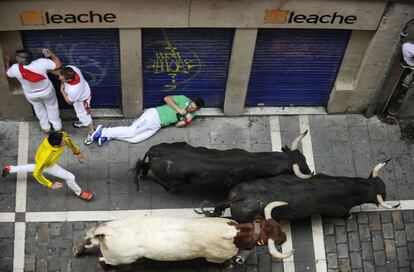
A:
{"points": [[269, 207], [298, 173], [385, 205], [275, 253], [378, 167], [297, 140]]}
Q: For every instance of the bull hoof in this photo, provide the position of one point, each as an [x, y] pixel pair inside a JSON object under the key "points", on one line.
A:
{"points": [[104, 266], [227, 265]]}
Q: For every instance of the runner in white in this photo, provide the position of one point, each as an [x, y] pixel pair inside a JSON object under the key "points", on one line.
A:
{"points": [[179, 110], [76, 91], [37, 87], [408, 54]]}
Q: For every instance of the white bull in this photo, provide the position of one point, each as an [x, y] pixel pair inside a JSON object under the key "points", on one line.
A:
{"points": [[174, 238]]}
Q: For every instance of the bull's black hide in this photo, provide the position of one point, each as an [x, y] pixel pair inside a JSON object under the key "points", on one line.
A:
{"points": [[177, 164], [321, 194]]}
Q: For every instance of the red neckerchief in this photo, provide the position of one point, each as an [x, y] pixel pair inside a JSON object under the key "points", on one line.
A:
{"points": [[75, 80], [30, 75]]}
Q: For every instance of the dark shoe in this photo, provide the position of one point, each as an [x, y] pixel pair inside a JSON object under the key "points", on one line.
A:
{"points": [[405, 65], [78, 124], [6, 169], [86, 195]]}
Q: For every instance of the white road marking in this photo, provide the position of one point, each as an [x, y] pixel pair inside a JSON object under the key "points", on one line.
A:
{"points": [[105, 215], [318, 243], [307, 141], [7, 217], [19, 241], [317, 229], [73, 216], [21, 185], [288, 263], [21, 192]]}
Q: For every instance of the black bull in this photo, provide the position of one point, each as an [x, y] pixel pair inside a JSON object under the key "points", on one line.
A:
{"points": [[321, 194], [177, 164]]}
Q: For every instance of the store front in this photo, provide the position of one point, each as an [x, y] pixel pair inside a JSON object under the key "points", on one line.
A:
{"points": [[192, 62], [327, 55], [295, 67], [94, 51]]}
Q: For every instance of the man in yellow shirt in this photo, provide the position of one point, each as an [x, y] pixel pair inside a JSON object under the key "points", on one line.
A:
{"points": [[46, 159]]}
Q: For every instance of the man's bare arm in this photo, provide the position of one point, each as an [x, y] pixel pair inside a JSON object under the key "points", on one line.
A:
{"points": [[169, 100]]}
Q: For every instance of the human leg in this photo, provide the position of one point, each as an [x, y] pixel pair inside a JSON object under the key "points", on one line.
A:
{"points": [[40, 112], [142, 128], [142, 136], [17, 168], [85, 119], [119, 132], [62, 173], [52, 107], [22, 168]]}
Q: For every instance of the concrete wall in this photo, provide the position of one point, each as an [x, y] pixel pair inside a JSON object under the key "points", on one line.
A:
{"points": [[131, 67], [13, 103], [239, 70], [364, 67], [187, 13], [394, 76], [379, 55]]}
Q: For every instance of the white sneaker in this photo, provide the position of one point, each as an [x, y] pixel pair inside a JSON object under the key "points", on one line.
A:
{"points": [[78, 124], [88, 140]]}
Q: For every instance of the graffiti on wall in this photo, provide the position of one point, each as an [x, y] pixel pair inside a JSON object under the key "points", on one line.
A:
{"points": [[171, 63], [91, 68]]}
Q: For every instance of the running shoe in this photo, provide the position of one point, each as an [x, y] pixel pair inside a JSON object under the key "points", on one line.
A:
{"points": [[88, 140], [101, 140], [97, 133], [86, 195], [6, 169], [78, 124]]}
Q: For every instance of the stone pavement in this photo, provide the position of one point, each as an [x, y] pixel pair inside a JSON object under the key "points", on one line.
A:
{"points": [[341, 145]]}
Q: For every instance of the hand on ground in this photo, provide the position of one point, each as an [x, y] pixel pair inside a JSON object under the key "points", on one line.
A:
{"points": [[80, 156], [56, 185]]}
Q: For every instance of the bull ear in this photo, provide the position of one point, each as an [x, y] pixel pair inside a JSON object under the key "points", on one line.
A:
{"points": [[286, 149]]}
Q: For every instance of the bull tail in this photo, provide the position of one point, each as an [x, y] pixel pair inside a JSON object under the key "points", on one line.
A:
{"points": [[141, 169], [218, 209]]}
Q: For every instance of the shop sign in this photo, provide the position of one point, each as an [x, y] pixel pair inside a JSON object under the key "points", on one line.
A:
{"points": [[289, 17], [48, 18]]}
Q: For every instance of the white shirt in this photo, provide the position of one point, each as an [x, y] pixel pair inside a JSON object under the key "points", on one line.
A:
{"points": [[39, 66], [80, 91], [408, 53]]}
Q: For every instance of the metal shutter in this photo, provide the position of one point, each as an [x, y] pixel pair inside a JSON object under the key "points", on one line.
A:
{"points": [[295, 67], [192, 62], [94, 51]]}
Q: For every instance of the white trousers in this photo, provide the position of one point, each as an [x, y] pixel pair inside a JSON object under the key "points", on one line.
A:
{"points": [[54, 170], [83, 111], [141, 129], [46, 109]]}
